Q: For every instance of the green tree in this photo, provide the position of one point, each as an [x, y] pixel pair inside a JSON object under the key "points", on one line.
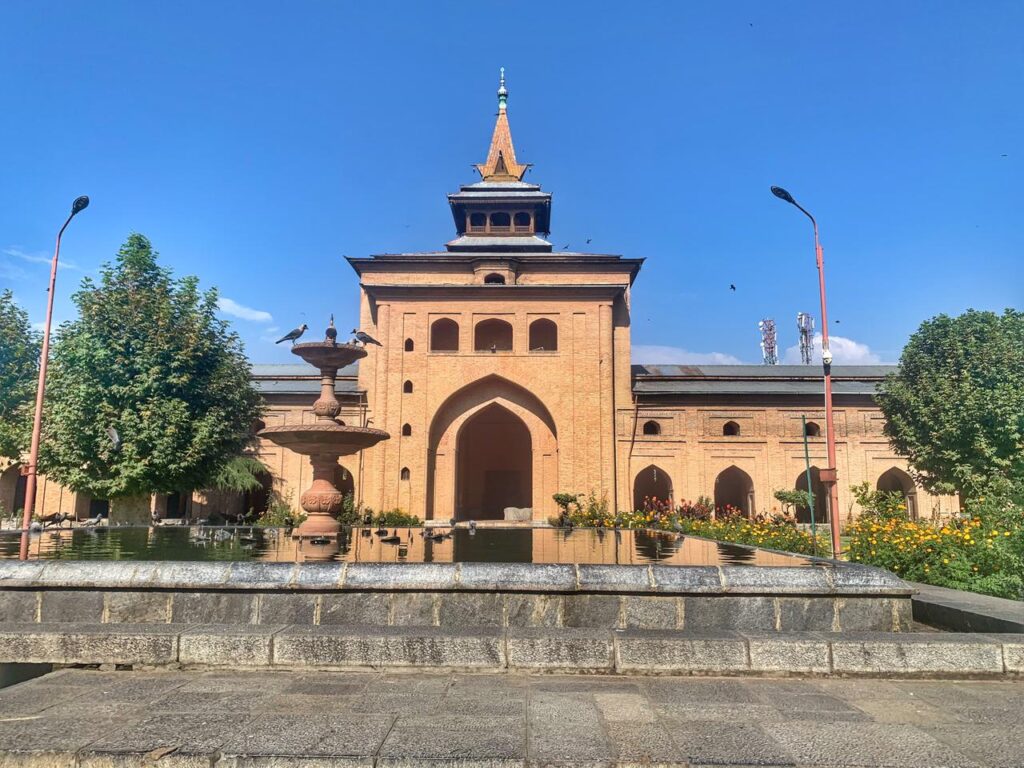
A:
{"points": [[955, 407], [19, 368], [149, 391]]}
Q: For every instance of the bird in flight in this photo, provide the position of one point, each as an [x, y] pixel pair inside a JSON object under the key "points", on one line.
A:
{"points": [[293, 334], [732, 287], [365, 338], [565, 247], [588, 241]]}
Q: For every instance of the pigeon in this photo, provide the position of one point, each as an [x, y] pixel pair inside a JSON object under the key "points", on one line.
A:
{"points": [[293, 334], [494, 348], [332, 332], [588, 241], [365, 338], [732, 287], [115, 439]]}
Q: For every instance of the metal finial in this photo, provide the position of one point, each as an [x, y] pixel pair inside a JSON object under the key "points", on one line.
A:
{"points": [[502, 91]]}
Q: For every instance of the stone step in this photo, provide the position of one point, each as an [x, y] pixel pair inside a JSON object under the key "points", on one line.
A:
{"points": [[657, 652]]}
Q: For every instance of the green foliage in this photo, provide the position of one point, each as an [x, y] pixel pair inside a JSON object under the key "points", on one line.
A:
{"points": [[793, 499], [981, 551], [351, 512], [394, 517], [280, 513], [239, 474], [149, 357], [883, 504], [772, 534], [19, 370], [955, 407]]}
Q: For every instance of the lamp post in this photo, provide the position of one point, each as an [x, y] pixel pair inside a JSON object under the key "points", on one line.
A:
{"points": [[80, 204], [828, 476]]}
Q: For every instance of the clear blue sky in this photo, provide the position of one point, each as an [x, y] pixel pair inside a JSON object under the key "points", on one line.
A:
{"points": [[258, 143]]}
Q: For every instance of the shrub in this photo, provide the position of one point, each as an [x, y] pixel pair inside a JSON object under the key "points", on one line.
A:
{"points": [[394, 517], [279, 512]]}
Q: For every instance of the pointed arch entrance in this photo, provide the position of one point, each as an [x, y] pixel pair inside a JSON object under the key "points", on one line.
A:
{"points": [[492, 444], [895, 480], [734, 489], [652, 486], [803, 514]]}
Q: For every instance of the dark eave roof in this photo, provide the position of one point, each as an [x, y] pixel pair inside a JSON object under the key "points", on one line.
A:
{"points": [[300, 379], [655, 380]]}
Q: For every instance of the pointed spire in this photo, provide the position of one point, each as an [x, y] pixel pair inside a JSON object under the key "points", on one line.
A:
{"points": [[501, 162]]}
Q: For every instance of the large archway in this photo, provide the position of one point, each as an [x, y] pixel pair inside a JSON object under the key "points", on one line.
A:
{"points": [[492, 425], [895, 480], [652, 487], [734, 489], [495, 467], [803, 514], [12, 490]]}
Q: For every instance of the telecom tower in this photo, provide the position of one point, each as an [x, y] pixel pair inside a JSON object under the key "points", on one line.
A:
{"points": [[769, 349], [805, 325]]}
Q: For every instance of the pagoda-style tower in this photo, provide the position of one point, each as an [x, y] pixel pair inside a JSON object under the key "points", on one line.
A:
{"points": [[504, 362], [501, 210]]}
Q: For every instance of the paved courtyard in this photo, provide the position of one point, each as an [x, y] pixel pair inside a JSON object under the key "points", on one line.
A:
{"points": [[276, 718]]}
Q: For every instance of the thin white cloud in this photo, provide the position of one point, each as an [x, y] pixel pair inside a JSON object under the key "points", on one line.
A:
{"points": [[233, 308], [654, 354], [844, 352], [38, 258]]}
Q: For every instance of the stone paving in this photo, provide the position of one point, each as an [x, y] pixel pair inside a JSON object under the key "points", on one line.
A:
{"points": [[95, 719]]}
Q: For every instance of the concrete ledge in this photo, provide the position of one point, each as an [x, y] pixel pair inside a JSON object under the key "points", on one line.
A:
{"points": [[150, 644], [916, 654], [658, 652], [389, 647], [966, 611]]}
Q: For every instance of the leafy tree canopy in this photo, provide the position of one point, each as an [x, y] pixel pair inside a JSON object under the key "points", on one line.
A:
{"points": [[955, 407], [19, 367], [149, 358]]}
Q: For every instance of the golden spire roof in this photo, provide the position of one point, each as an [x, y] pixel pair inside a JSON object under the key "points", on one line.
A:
{"points": [[501, 162]]}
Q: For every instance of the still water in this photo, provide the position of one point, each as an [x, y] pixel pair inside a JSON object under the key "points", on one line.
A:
{"points": [[414, 545]]}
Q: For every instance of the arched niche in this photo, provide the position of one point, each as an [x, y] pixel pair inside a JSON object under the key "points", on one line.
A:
{"points": [[803, 514], [896, 480], [652, 483], [492, 335], [734, 489]]}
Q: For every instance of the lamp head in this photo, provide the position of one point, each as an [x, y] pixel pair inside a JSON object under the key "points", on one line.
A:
{"points": [[80, 204], [782, 194]]}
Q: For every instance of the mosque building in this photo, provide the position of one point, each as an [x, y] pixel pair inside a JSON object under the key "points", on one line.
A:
{"points": [[505, 378]]}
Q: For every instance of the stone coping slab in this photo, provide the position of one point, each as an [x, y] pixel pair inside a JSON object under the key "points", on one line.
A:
{"points": [[963, 611], [589, 651], [822, 578]]}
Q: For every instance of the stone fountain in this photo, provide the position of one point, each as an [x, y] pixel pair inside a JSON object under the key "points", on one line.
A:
{"points": [[326, 439]]}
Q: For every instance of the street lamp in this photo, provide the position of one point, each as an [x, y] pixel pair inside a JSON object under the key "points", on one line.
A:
{"points": [[80, 204], [827, 476]]}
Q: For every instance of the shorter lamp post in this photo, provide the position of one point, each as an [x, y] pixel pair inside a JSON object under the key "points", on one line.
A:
{"points": [[827, 476], [80, 204]]}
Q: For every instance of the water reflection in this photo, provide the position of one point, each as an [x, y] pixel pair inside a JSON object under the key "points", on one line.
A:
{"points": [[398, 545]]}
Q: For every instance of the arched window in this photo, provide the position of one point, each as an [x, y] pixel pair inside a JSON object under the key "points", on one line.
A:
{"points": [[406, 430], [494, 279], [492, 336], [731, 429], [812, 430], [409, 345], [652, 488], [407, 388], [501, 222], [522, 222], [404, 474], [817, 488], [444, 335], [652, 428], [477, 222], [543, 335], [734, 492], [897, 481]]}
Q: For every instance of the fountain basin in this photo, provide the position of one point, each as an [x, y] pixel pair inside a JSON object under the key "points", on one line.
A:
{"points": [[322, 354], [323, 438]]}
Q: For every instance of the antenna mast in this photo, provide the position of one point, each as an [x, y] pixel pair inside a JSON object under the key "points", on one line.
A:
{"points": [[805, 325], [769, 347]]}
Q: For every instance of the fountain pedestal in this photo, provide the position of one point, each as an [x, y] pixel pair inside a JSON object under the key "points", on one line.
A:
{"points": [[326, 439]]}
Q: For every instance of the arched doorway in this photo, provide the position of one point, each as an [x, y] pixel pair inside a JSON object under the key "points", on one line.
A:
{"points": [[12, 490], [652, 487], [895, 480], [495, 468], [487, 419], [735, 489], [803, 514]]}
